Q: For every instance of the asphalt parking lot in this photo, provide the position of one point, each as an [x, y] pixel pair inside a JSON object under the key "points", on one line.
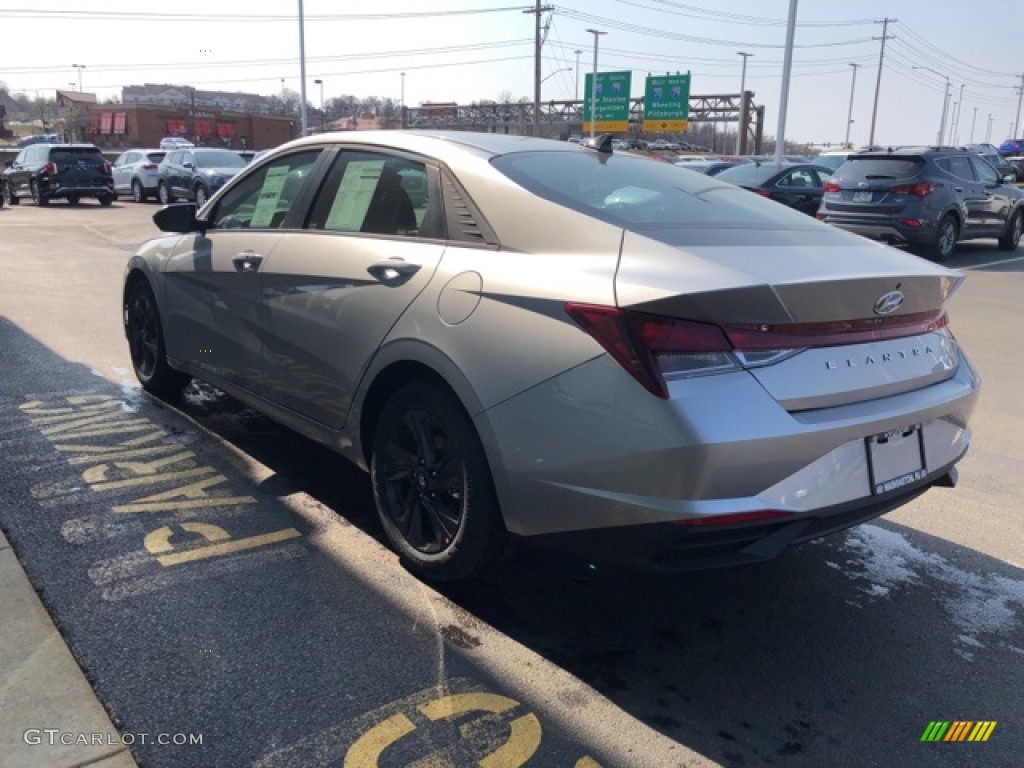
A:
{"points": [[237, 586]]}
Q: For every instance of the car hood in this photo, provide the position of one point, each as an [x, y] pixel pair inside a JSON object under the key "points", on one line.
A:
{"points": [[744, 276]]}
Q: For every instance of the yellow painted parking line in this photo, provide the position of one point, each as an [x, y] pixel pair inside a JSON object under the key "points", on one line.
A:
{"points": [[227, 548], [150, 479], [587, 762], [461, 703], [91, 457], [522, 743], [181, 506], [159, 541], [367, 750]]}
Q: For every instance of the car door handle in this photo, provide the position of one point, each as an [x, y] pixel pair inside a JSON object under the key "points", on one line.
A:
{"points": [[247, 261], [392, 270], [958, 189]]}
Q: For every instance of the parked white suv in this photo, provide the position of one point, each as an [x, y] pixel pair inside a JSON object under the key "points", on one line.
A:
{"points": [[175, 142]]}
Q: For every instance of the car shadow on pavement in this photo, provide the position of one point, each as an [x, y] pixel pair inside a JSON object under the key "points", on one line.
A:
{"points": [[841, 651]]}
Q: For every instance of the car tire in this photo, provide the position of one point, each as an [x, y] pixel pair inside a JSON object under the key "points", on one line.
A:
{"points": [[944, 243], [432, 485], [163, 193], [9, 197], [146, 343], [106, 200], [1011, 238], [38, 197], [73, 199], [138, 193], [201, 195]]}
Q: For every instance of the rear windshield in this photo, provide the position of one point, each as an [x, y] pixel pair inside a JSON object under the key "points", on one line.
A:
{"points": [[65, 155], [830, 161], [155, 157], [223, 159], [867, 168], [642, 194]]}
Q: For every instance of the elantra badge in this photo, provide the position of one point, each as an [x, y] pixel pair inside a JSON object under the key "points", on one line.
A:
{"points": [[889, 303]]}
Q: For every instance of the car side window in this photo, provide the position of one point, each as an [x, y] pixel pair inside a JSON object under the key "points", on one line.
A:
{"points": [[800, 178], [986, 173], [378, 194], [959, 166], [263, 199], [823, 176], [188, 157]]}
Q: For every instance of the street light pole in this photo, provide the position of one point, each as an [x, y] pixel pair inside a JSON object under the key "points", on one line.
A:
{"points": [[79, 67], [973, 121], [304, 117], [956, 130], [945, 105], [787, 69], [593, 84], [878, 81], [743, 98], [321, 84], [576, 93]]}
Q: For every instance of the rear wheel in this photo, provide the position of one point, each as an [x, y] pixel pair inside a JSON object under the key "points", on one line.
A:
{"points": [[163, 192], [9, 198], [1011, 238], [138, 193], [146, 343], [73, 199], [37, 196], [942, 247], [201, 195], [106, 200], [432, 485]]}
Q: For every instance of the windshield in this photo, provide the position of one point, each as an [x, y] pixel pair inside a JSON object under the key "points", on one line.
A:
{"points": [[830, 161], [218, 159], [89, 155], [868, 168], [642, 194]]}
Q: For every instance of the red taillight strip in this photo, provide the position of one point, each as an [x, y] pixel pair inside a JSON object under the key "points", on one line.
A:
{"points": [[833, 334], [739, 517]]}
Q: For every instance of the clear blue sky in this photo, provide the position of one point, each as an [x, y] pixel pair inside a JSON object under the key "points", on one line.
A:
{"points": [[249, 46]]}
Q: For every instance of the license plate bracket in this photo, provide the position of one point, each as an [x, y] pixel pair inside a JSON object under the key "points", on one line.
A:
{"points": [[895, 458]]}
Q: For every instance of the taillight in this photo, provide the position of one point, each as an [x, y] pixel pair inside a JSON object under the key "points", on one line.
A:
{"points": [[149, 166], [831, 186], [917, 190], [655, 349], [761, 192], [50, 168], [820, 216], [107, 168]]}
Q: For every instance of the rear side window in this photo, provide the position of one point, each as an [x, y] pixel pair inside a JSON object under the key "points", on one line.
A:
{"points": [[959, 166], [869, 168]]}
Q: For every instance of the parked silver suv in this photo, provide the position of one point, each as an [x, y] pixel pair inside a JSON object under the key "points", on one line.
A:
{"points": [[135, 171]]}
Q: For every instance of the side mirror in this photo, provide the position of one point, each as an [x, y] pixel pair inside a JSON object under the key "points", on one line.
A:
{"points": [[8, 163], [1009, 178], [178, 218]]}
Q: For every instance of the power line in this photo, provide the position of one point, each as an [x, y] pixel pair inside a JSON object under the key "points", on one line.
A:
{"points": [[706, 14], [30, 13]]}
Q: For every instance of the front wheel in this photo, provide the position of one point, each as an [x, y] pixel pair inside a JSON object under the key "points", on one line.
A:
{"points": [[146, 343], [9, 198], [1011, 238], [73, 199], [138, 194], [942, 247], [432, 485], [201, 196], [106, 200]]}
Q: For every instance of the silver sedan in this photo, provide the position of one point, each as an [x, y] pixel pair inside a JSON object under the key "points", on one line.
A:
{"points": [[522, 338]]}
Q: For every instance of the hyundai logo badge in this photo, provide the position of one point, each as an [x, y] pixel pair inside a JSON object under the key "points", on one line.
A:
{"points": [[889, 303]]}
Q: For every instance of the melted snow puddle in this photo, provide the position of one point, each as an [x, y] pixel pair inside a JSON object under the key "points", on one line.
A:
{"points": [[982, 607]]}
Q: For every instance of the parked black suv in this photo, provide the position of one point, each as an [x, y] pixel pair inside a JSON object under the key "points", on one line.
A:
{"points": [[195, 173], [924, 197], [47, 171]]}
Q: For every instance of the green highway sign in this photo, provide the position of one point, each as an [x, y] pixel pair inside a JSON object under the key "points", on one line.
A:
{"points": [[667, 103], [612, 113]]}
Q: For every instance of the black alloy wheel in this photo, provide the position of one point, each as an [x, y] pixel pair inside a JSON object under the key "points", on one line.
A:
{"points": [[146, 343], [432, 485], [1011, 239]]}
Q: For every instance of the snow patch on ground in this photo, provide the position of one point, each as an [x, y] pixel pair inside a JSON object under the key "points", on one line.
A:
{"points": [[977, 604]]}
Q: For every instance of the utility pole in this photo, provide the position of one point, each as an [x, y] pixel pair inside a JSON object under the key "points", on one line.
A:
{"points": [[743, 96], [878, 82], [1020, 95], [973, 121], [988, 132], [849, 114], [945, 105], [537, 11], [304, 116]]}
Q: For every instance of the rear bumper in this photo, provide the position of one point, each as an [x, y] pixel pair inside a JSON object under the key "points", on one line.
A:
{"points": [[86, 189], [670, 547], [884, 229]]}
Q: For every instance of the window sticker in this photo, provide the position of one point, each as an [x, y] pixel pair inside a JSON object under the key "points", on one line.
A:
{"points": [[270, 194], [354, 195]]}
